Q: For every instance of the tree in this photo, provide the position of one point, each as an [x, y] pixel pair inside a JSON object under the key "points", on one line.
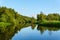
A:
{"points": [[41, 17], [53, 16]]}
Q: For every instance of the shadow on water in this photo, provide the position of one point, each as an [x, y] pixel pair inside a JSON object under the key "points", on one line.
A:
{"points": [[10, 31], [42, 29], [33, 26]]}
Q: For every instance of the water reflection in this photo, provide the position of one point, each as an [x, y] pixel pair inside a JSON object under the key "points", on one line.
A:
{"points": [[34, 32], [30, 31], [33, 26], [8, 32], [42, 28], [50, 28]]}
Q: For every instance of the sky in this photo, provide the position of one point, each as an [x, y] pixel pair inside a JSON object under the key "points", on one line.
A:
{"points": [[32, 7]]}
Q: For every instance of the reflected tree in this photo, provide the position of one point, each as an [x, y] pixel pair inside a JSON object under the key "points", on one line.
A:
{"points": [[50, 29], [10, 31], [33, 26]]}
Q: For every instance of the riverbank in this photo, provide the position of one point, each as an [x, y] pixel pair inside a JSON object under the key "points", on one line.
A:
{"points": [[4, 24], [50, 23]]}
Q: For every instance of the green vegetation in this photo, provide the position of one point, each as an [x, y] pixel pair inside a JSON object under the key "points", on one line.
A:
{"points": [[10, 16], [52, 19], [11, 21], [42, 29], [3, 24], [8, 32]]}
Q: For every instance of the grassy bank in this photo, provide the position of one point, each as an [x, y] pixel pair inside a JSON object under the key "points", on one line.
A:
{"points": [[3, 24], [50, 23]]}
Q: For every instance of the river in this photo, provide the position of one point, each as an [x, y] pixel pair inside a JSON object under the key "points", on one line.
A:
{"points": [[37, 33]]}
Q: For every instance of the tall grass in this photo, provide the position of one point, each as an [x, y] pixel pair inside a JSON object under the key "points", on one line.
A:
{"points": [[50, 23], [3, 26]]}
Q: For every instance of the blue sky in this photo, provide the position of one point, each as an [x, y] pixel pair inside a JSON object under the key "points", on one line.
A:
{"points": [[32, 7]]}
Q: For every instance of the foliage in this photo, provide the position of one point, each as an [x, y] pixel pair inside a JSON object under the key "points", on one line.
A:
{"points": [[11, 16], [50, 17], [41, 17]]}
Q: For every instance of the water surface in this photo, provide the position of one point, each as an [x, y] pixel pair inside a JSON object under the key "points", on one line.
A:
{"points": [[37, 33]]}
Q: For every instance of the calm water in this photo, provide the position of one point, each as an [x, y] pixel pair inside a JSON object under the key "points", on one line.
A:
{"points": [[29, 32], [37, 33]]}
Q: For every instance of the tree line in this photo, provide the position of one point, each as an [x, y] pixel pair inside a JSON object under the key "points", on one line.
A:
{"points": [[9, 15], [50, 17]]}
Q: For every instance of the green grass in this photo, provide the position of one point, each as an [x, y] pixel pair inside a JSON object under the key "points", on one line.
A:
{"points": [[3, 24], [50, 23]]}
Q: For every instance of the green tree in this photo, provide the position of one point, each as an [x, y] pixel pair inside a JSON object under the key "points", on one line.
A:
{"points": [[41, 17]]}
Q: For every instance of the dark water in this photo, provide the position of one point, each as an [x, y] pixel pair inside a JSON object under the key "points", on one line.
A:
{"points": [[30, 32]]}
